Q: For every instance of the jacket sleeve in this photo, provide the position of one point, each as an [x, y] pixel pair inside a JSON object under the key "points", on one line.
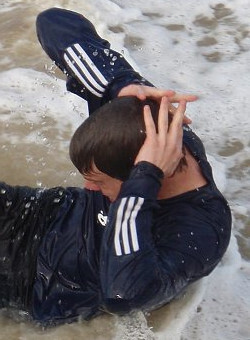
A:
{"points": [[94, 71], [132, 274]]}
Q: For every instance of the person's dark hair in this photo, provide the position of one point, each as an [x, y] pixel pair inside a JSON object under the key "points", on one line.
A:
{"points": [[111, 137]]}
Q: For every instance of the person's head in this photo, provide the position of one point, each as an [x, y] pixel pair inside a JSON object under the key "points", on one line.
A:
{"points": [[105, 145], [109, 140]]}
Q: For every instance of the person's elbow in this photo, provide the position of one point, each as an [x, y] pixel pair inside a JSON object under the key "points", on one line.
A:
{"points": [[117, 305], [142, 297]]}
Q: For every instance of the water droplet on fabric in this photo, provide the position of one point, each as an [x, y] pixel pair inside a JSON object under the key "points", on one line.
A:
{"points": [[106, 51]]}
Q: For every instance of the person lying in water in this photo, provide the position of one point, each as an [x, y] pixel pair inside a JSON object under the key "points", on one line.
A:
{"points": [[150, 220]]}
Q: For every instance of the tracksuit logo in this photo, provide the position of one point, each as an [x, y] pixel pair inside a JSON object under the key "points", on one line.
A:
{"points": [[102, 219]]}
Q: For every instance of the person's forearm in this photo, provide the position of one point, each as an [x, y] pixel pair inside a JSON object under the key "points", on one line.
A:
{"points": [[130, 271]]}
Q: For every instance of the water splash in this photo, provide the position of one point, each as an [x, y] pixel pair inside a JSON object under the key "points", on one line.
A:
{"points": [[133, 326]]}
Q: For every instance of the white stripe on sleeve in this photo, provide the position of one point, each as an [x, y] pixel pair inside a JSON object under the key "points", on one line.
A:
{"points": [[79, 76], [132, 224], [125, 225], [82, 62], [118, 226], [91, 65]]}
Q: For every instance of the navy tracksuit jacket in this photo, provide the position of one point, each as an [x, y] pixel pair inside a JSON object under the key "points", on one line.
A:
{"points": [[68, 252]]}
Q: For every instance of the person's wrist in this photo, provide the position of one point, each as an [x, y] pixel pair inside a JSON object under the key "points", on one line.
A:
{"points": [[145, 167]]}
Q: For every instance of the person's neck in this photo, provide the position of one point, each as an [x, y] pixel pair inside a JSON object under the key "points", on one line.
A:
{"points": [[188, 179]]}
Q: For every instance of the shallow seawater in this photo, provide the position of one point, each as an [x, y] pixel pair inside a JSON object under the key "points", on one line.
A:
{"points": [[189, 46]]}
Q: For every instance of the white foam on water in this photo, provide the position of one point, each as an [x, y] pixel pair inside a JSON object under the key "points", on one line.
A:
{"points": [[224, 310], [30, 96], [198, 47]]}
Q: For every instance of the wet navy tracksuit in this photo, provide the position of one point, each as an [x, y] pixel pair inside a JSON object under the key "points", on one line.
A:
{"points": [[68, 252]]}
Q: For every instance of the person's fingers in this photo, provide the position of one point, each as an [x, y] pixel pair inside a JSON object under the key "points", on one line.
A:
{"points": [[172, 109], [149, 122], [133, 90], [155, 93], [179, 115], [142, 92], [163, 118], [139, 92], [179, 97], [187, 120]]}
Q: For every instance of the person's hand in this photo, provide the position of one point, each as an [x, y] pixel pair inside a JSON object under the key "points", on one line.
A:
{"points": [[163, 148], [142, 92]]}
